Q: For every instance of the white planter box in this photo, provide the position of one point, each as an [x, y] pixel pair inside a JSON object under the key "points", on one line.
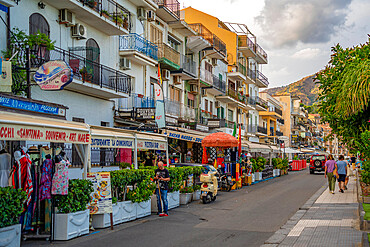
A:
{"points": [[258, 176], [196, 195], [185, 198], [253, 178], [72, 225], [153, 199], [10, 236], [173, 199], [276, 172], [143, 209], [103, 220], [128, 210]]}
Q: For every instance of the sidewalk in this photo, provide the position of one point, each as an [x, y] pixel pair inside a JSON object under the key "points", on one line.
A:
{"points": [[325, 220]]}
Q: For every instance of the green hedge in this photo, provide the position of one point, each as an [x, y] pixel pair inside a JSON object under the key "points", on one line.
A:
{"points": [[11, 205]]}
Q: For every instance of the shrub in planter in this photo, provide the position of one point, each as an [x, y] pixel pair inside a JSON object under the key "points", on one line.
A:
{"points": [[72, 218], [186, 195], [11, 205]]}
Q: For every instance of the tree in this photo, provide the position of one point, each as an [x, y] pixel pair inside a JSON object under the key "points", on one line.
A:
{"points": [[345, 93]]}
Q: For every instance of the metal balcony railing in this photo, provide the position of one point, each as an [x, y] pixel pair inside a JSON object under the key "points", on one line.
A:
{"points": [[172, 107], [206, 76], [136, 101], [172, 5], [261, 51], [262, 78], [188, 65], [262, 130], [244, 41], [251, 74], [167, 52], [111, 10], [242, 69], [278, 111], [252, 101], [261, 102], [219, 84], [187, 113], [236, 95], [84, 69], [219, 45], [279, 133], [135, 42], [252, 128], [229, 124]]}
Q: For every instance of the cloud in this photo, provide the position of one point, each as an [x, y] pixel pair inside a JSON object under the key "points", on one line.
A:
{"points": [[307, 53], [287, 22]]}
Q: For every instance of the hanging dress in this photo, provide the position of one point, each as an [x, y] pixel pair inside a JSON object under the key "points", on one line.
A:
{"points": [[60, 179], [45, 182], [5, 166]]}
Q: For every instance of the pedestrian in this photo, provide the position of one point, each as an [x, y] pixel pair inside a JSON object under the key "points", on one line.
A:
{"points": [[162, 176], [331, 172], [353, 162], [342, 173]]}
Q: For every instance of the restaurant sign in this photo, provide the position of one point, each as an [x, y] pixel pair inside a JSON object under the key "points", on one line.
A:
{"points": [[182, 136], [53, 75], [24, 133], [111, 143], [141, 144]]}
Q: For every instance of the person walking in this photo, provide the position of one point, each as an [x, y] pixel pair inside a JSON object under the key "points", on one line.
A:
{"points": [[330, 172], [342, 173], [162, 176]]}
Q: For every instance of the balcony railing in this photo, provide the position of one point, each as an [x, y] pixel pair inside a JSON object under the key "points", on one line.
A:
{"points": [[261, 52], [135, 42], [244, 41], [278, 111], [167, 52], [261, 102], [262, 130], [279, 133], [172, 107], [229, 124], [112, 11], [281, 121], [136, 101], [84, 69], [188, 65], [252, 128], [172, 5], [242, 69], [251, 74], [187, 113], [252, 101], [219, 45], [236, 95], [206, 76], [219, 84], [262, 78]]}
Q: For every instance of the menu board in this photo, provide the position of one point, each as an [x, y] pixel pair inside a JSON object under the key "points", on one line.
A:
{"points": [[101, 197]]}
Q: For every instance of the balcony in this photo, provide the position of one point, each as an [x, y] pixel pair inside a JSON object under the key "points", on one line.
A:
{"points": [[105, 15], [168, 57], [250, 49], [235, 99], [169, 10], [136, 101], [188, 70], [261, 104], [147, 4], [172, 107], [262, 80], [278, 111], [214, 47], [138, 49], [261, 130], [272, 132], [251, 76], [296, 111], [187, 113], [238, 73], [252, 129], [261, 55], [218, 86], [281, 121], [89, 77]]}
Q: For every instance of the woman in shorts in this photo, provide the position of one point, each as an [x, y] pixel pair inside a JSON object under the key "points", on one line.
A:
{"points": [[342, 173]]}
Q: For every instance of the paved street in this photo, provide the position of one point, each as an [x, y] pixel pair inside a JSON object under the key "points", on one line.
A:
{"points": [[246, 217]]}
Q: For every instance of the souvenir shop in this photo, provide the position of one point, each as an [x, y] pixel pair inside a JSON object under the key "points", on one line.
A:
{"points": [[32, 159]]}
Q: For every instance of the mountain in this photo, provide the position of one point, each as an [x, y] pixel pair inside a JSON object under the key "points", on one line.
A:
{"points": [[305, 89]]}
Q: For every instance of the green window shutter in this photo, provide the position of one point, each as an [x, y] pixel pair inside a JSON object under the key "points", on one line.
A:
{"points": [[222, 113]]}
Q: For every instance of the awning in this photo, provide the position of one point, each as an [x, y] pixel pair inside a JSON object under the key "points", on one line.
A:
{"points": [[275, 149], [151, 141], [245, 146], [19, 127], [183, 136], [111, 137], [304, 150], [258, 148], [291, 151]]}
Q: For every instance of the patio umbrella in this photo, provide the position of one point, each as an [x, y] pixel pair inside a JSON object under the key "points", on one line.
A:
{"points": [[219, 139], [204, 156]]}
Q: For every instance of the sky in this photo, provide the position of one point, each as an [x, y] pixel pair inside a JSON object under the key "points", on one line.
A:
{"points": [[296, 34]]}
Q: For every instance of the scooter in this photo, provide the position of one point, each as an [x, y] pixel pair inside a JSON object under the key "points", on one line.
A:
{"points": [[226, 181], [209, 184]]}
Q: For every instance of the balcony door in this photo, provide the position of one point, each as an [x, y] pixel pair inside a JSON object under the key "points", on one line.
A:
{"points": [[93, 60], [38, 23]]}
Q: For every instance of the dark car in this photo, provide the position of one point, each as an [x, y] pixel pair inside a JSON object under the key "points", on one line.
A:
{"points": [[317, 163]]}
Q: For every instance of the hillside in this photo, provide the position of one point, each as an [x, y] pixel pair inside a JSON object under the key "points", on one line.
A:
{"points": [[305, 89]]}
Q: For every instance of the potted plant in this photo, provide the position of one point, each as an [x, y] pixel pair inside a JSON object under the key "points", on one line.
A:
{"points": [[196, 193], [86, 74], [186, 194], [174, 185], [106, 14], [118, 20], [141, 195], [72, 217], [11, 207]]}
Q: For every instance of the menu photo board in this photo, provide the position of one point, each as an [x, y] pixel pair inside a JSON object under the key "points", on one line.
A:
{"points": [[145, 113], [101, 197]]}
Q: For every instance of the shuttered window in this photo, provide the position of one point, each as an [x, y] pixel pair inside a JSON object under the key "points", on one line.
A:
{"points": [[156, 35], [38, 23]]}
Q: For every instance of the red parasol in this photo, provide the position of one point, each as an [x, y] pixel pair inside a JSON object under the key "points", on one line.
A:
{"points": [[220, 139], [204, 156]]}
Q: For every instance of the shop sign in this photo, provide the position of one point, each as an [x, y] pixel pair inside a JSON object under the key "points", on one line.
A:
{"points": [[145, 113], [126, 114], [23, 133], [30, 106], [201, 127], [151, 145], [182, 136], [101, 197], [111, 143], [53, 75], [172, 120]]}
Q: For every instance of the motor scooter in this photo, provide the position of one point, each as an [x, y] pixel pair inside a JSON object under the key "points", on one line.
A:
{"points": [[225, 179], [209, 184]]}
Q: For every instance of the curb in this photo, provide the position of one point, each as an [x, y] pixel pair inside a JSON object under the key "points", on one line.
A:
{"points": [[365, 239], [283, 232]]}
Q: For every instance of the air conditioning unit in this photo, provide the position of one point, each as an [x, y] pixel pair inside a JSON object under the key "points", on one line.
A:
{"points": [[141, 14], [204, 93], [214, 62], [217, 104], [79, 31], [66, 17], [166, 75], [176, 80], [194, 89], [124, 63], [150, 15]]}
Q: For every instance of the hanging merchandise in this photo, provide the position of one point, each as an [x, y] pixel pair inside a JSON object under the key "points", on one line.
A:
{"points": [[22, 173], [60, 178], [4, 167], [46, 174]]}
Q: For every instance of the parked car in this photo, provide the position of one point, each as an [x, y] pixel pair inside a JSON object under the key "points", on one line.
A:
{"points": [[317, 163]]}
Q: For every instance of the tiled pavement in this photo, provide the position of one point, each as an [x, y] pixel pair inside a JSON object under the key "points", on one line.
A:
{"points": [[325, 220]]}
